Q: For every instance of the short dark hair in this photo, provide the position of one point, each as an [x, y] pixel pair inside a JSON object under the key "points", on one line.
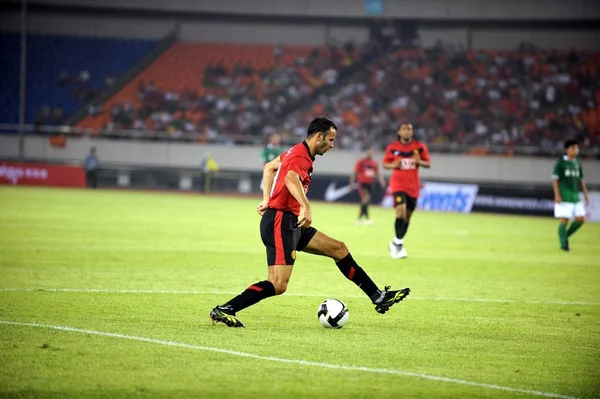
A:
{"points": [[570, 143], [320, 125], [402, 123]]}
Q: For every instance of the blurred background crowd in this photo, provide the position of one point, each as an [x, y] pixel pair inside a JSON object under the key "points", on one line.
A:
{"points": [[243, 93]]}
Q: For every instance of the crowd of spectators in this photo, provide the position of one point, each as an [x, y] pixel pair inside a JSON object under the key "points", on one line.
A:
{"points": [[523, 98], [235, 102], [527, 97]]}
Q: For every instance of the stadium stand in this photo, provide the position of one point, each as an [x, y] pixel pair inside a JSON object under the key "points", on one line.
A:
{"points": [[526, 97], [63, 73], [229, 88]]}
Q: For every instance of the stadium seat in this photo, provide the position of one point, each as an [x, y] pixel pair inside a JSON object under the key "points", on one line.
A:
{"points": [[183, 64], [48, 56]]}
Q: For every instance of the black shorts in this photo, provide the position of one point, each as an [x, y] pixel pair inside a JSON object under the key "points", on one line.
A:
{"points": [[400, 197], [365, 188], [282, 237]]}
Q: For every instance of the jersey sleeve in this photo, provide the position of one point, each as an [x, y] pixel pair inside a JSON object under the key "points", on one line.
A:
{"points": [[425, 154], [300, 165], [388, 156], [557, 169]]}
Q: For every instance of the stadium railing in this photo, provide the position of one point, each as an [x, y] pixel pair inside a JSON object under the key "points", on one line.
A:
{"points": [[61, 133]]}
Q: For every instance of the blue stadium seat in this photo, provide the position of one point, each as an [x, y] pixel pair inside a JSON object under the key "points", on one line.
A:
{"points": [[48, 56]]}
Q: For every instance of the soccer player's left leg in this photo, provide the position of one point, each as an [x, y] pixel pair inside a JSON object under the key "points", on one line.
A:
{"points": [[564, 211], [411, 205], [575, 226], [323, 245], [408, 216], [396, 247], [400, 224], [366, 199], [579, 211]]}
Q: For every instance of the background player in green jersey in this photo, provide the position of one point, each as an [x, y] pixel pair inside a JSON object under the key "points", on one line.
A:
{"points": [[567, 181], [271, 151]]}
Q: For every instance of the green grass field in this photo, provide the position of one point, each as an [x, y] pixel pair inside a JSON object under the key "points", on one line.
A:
{"points": [[107, 294]]}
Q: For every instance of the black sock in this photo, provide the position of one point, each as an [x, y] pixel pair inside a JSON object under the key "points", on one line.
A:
{"points": [[358, 276], [364, 211], [253, 294], [406, 227], [400, 228]]}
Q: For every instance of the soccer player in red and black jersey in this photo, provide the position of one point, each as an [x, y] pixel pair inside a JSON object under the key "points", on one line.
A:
{"points": [[366, 171], [404, 156], [285, 228]]}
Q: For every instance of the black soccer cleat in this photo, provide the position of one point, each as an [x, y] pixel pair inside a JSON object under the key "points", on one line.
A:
{"points": [[221, 314], [565, 247], [390, 298]]}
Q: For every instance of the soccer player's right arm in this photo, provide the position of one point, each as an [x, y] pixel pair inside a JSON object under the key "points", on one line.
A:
{"points": [[294, 186], [293, 182]]}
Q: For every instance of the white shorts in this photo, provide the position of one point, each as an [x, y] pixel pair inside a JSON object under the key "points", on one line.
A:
{"points": [[569, 210]]}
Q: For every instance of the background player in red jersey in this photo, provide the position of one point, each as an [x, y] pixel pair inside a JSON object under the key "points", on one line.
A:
{"points": [[365, 172], [404, 156], [285, 228]]}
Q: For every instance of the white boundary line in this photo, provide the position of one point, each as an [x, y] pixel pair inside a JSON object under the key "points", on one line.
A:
{"points": [[192, 292], [292, 361]]}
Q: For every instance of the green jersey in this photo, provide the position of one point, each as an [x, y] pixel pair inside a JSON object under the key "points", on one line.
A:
{"points": [[270, 152], [569, 174]]}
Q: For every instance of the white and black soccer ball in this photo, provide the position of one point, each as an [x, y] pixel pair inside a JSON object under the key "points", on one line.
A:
{"points": [[333, 313]]}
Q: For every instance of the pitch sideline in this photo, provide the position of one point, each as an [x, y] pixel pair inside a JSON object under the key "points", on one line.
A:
{"points": [[292, 361]]}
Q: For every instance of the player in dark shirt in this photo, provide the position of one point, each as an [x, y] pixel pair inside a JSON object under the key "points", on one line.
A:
{"points": [[285, 228]]}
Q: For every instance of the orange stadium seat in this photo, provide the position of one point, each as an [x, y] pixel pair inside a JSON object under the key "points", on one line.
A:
{"points": [[183, 64]]}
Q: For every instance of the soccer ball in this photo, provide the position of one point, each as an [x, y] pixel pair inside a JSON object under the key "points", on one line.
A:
{"points": [[333, 313]]}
